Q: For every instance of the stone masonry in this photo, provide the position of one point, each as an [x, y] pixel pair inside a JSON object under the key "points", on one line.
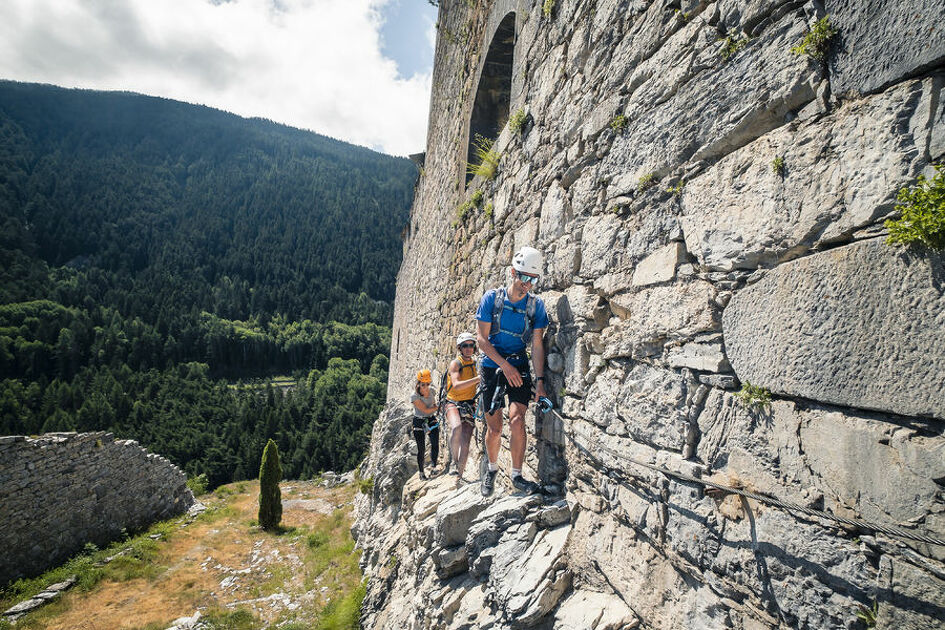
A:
{"points": [[711, 210], [60, 491]]}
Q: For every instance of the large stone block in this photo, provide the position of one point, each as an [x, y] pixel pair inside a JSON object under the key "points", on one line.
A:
{"points": [[839, 174], [646, 403], [859, 326], [881, 42], [654, 315]]}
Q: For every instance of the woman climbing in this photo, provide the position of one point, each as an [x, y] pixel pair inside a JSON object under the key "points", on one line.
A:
{"points": [[424, 421]]}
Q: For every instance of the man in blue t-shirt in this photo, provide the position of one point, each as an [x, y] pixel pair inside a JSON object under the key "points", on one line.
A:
{"points": [[504, 331]]}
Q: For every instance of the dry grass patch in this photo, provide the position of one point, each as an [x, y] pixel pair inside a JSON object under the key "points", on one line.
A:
{"points": [[225, 566]]}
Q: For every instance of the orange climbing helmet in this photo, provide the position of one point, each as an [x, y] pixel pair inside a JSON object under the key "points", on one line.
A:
{"points": [[423, 376]]}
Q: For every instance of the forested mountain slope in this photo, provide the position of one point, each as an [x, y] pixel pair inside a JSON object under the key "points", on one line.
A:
{"points": [[151, 252]]}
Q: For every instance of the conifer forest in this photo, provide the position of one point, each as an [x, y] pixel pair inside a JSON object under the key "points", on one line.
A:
{"points": [[194, 280]]}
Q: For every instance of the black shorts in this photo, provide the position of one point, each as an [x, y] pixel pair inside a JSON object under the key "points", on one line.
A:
{"points": [[488, 382]]}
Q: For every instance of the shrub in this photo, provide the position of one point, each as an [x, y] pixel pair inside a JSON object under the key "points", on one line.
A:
{"points": [[198, 484], [777, 166], [270, 497], [517, 120], [366, 485], [488, 160], [548, 8], [754, 396], [817, 41], [923, 213]]}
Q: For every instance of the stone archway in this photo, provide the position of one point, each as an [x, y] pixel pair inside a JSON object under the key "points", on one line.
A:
{"points": [[490, 107]]}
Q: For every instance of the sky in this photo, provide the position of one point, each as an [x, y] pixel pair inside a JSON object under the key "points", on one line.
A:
{"points": [[356, 70]]}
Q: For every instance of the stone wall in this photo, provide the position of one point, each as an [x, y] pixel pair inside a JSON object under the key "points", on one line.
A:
{"points": [[60, 491], [707, 220]]}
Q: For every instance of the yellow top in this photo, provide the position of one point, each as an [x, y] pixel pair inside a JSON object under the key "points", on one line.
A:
{"points": [[467, 370]]}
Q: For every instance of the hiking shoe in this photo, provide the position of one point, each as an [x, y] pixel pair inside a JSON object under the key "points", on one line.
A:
{"points": [[488, 482], [422, 476], [526, 486]]}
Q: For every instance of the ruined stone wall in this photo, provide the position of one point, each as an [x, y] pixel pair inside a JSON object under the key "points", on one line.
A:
{"points": [[60, 491], [711, 209]]}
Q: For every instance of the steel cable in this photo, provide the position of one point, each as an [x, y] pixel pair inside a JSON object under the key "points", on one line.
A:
{"points": [[763, 498]]}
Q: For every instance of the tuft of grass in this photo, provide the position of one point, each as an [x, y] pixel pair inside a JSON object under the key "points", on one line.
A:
{"points": [[344, 613], [647, 181], [366, 485], [489, 210], [239, 619], [548, 8], [517, 120], [487, 159], [922, 208], [731, 45], [777, 166], [619, 123], [676, 190], [868, 615], [816, 43], [754, 396]]}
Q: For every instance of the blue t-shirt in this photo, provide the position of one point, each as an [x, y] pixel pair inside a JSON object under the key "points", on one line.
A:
{"points": [[505, 343]]}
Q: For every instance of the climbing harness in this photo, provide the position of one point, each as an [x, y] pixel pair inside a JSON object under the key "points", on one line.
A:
{"points": [[499, 306], [788, 506]]}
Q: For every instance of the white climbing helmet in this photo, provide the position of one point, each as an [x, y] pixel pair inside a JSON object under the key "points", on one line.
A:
{"points": [[527, 260], [465, 337]]}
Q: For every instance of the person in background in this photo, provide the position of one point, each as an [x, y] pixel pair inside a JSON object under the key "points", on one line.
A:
{"points": [[424, 421], [508, 320], [461, 382]]}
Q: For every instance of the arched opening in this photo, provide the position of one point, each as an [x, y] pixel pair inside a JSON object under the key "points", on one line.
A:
{"points": [[490, 110]]}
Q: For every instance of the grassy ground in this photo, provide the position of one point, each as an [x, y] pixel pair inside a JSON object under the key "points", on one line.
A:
{"points": [[222, 564]]}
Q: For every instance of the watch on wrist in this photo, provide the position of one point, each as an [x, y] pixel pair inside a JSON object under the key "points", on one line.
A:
{"points": [[539, 378]]}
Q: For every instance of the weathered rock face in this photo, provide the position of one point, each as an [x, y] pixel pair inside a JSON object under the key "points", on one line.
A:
{"points": [[63, 490], [856, 325], [710, 207]]}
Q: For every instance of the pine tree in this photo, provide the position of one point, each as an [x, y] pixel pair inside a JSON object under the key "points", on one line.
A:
{"points": [[270, 497]]}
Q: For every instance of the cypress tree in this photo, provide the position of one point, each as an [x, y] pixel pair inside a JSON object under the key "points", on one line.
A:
{"points": [[270, 497]]}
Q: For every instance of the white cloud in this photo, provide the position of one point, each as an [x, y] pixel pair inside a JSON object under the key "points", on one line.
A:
{"points": [[314, 64]]}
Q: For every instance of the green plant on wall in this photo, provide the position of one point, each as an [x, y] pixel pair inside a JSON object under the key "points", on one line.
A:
{"points": [[647, 181], [731, 45], [517, 120], [777, 166], [548, 8], [754, 396], [619, 123], [676, 190], [463, 209], [922, 208], [487, 160], [817, 41]]}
